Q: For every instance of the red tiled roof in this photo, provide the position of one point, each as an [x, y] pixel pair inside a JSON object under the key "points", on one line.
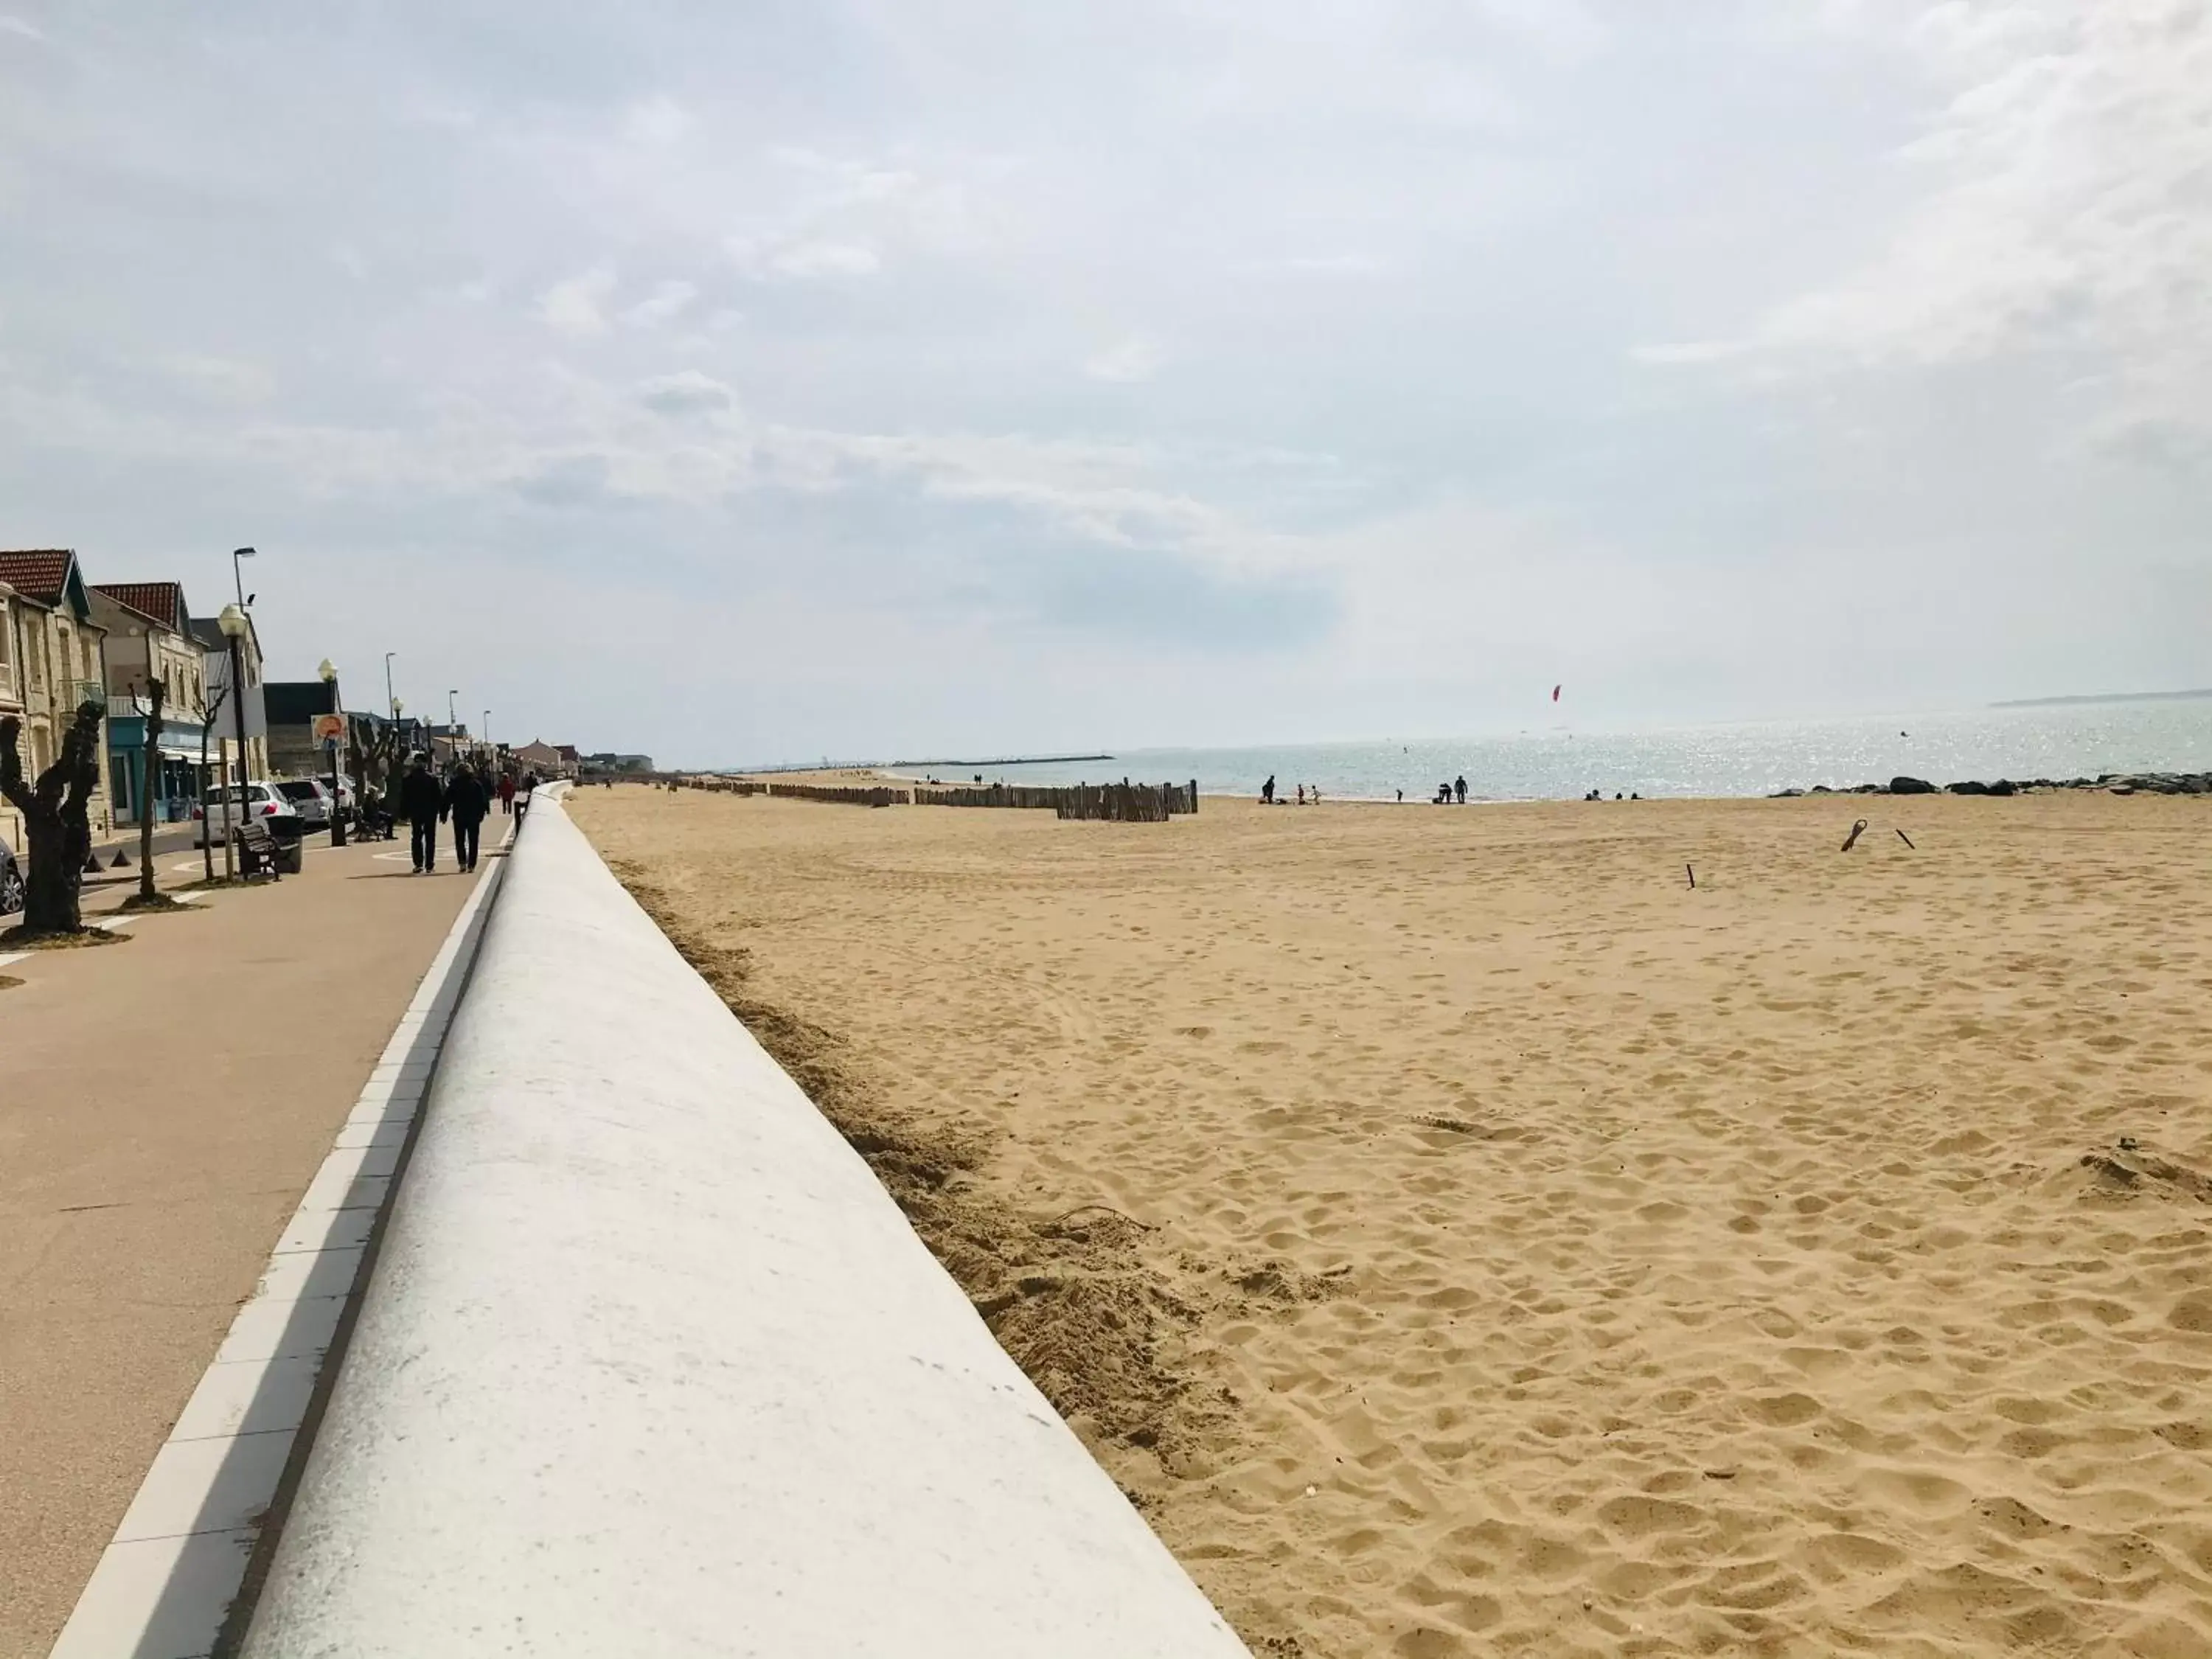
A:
{"points": [[162, 601], [40, 573]]}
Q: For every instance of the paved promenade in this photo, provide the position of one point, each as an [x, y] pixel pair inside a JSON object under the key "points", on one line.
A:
{"points": [[164, 1104]]}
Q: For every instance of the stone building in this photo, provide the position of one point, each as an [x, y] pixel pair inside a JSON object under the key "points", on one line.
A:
{"points": [[51, 661], [151, 638]]}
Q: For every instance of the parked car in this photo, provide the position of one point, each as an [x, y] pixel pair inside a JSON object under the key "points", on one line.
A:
{"points": [[311, 798], [262, 800], [11, 881]]}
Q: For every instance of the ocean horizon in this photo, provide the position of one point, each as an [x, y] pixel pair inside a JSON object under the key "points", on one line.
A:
{"points": [[2053, 740]]}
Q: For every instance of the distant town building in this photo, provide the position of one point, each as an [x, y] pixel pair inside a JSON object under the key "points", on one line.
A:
{"points": [[292, 706], [609, 761], [542, 759]]}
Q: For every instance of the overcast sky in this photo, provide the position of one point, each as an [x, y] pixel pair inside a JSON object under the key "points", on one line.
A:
{"points": [[747, 381]]}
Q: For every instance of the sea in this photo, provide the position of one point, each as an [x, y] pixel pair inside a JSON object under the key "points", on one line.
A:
{"points": [[1565, 763]]}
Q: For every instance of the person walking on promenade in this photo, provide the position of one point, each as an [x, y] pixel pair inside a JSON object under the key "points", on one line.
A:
{"points": [[467, 802], [506, 792], [422, 799]]}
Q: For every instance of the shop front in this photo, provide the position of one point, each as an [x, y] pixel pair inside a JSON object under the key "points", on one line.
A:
{"points": [[176, 776]]}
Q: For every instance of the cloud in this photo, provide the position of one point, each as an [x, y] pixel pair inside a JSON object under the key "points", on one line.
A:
{"points": [[1447, 342], [668, 301], [659, 120], [1152, 596], [1335, 264], [2067, 205], [803, 258], [1690, 351], [221, 380], [17, 26], [572, 307], [686, 393], [1128, 360]]}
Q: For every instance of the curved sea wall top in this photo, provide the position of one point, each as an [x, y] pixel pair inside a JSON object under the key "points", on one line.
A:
{"points": [[649, 1363]]}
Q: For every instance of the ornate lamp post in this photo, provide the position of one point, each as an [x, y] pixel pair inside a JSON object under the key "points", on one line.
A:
{"points": [[233, 623], [338, 801]]}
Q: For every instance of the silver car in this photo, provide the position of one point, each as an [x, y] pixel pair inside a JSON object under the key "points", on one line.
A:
{"points": [[310, 798]]}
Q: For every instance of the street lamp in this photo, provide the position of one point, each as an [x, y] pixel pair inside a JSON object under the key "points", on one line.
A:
{"points": [[484, 736], [453, 720], [233, 624], [388, 697], [330, 674], [236, 554]]}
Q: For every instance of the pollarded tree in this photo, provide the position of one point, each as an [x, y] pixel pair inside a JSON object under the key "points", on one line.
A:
{"points": [[55, 820]]}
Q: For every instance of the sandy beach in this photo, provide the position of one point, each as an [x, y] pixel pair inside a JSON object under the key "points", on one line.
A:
{"points": [[1459, 1235]]}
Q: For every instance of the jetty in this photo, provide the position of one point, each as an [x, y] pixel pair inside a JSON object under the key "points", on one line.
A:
{"points": [[1010, 759]]}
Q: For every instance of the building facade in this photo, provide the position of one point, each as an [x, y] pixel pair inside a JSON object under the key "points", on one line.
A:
{"points": [[292, 706], [151, 641], [55, 661], [227, 714]]}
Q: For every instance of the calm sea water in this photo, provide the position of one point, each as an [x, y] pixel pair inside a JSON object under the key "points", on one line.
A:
{"points": [[1561, 764]]}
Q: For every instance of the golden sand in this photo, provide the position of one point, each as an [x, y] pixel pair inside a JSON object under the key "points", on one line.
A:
{"points": [[1506, 1249]]}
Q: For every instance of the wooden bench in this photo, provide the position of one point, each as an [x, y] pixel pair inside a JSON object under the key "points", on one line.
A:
{"points": [[259, 854]]}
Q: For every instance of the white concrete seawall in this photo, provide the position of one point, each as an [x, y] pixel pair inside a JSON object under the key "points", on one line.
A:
{"points": [[650, 1364]]}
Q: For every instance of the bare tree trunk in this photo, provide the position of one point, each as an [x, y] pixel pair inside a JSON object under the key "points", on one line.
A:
{"points": [[55, 824], [156, 692]]}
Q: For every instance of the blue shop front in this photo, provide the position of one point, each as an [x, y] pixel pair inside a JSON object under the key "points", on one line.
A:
{"points": [[176, 775]]}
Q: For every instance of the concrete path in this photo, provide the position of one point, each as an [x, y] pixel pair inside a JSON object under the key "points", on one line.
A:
{"points": [[163, 1105]]}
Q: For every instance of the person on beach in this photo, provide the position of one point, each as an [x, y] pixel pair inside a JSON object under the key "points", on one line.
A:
{"points": [[1302, 795], [422, 799], [1267, 791], [467, 802], [1459, 785]]}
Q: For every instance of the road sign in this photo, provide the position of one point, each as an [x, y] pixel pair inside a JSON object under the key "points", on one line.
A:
{"points": [[329, 728]]}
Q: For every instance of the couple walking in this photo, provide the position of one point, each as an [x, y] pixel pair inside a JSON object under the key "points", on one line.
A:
{"points": [[464, 798]]}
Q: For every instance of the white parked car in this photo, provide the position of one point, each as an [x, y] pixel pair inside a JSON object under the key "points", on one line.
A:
{"points": [[265, 801], [311, 798]]}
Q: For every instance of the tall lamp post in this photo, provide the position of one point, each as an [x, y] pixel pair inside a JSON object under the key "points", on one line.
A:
{"points": [[483, 737], [238, 579], [233, 624], [453, 720], [338, 801], [388, 697]]}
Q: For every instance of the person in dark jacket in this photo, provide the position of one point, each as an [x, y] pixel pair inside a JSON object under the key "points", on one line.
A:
{"points": [[423, 801], [467, 801]]}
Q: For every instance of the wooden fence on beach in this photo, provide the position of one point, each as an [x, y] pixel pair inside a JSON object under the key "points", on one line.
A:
{"points": [[838, 796], [1120, 803]]}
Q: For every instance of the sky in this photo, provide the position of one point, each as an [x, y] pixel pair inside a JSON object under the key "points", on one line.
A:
{"points": [[762, 379]]}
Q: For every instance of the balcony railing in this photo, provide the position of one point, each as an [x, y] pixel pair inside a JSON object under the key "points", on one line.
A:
{"points": [[85, 691]]}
